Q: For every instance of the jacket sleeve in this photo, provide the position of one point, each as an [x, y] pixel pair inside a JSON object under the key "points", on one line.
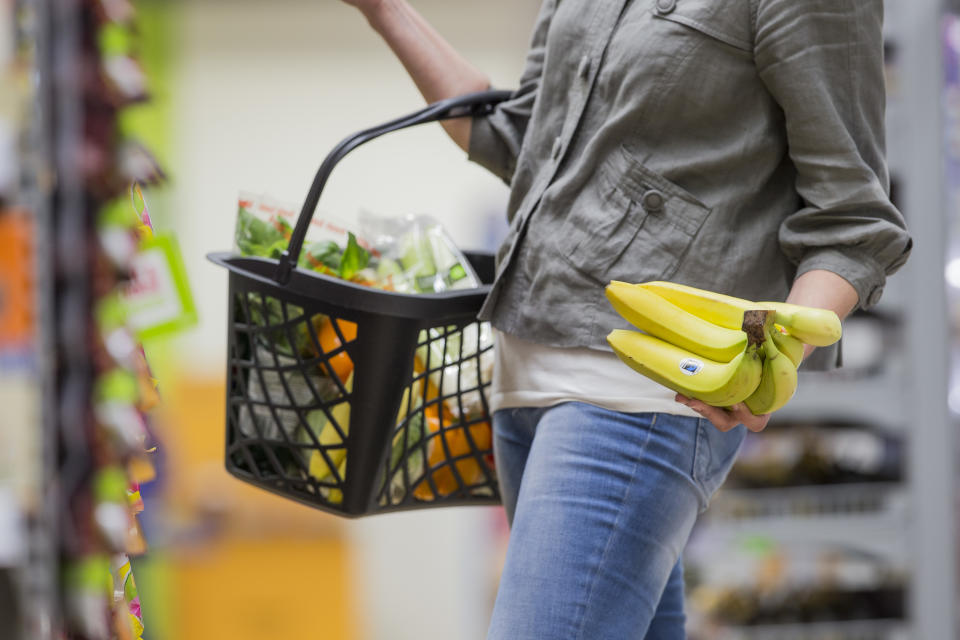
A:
{"points": [[495, 139], [822, 60]]}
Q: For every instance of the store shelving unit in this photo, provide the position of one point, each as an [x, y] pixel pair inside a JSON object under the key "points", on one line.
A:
{"points": [[76, 509], [906, 527], [30, 28]]}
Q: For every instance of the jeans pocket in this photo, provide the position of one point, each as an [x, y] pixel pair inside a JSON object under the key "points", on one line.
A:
{"points": [[715, 453]]}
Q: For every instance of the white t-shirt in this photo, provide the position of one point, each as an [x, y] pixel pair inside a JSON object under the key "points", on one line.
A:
{"points": [[527, 374]]}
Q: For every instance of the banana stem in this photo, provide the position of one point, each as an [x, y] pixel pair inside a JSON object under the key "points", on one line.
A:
{"points": [[756, 322]]}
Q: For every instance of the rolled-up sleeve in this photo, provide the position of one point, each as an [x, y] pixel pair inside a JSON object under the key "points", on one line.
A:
{"points": [[822, 60], [495, 139]]}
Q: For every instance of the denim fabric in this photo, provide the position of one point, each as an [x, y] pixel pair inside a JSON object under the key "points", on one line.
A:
{"points": [[601, 505]]}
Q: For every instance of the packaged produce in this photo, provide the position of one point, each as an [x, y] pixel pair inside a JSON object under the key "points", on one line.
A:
{"points": [[410, 254], [441, 424]]}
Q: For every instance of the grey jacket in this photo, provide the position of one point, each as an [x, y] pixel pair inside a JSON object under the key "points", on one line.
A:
{"points": [[727, 144]]}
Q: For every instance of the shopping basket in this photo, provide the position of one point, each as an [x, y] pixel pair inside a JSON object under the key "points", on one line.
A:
{"points": [[374, 415]]}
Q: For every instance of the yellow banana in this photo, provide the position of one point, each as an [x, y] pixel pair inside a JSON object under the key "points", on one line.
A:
{"points": [[335, 496], [717, 308], [788, 345], [819, 327], [330, 437], [716, 383], [657, 316], [778, 382]]}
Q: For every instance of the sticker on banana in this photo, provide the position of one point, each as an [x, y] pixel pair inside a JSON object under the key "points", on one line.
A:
{"points": [[788, 345], [721, 384]]}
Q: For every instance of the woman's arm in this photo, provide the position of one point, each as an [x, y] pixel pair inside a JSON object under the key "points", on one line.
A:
{"points": [[815, 288], [435, 67]]}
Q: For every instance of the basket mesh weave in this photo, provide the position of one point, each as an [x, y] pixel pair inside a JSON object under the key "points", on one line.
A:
{"points": [[291, 398]]}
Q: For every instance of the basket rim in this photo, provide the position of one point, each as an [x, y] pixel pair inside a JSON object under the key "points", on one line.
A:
{"points": [[323, 288]]}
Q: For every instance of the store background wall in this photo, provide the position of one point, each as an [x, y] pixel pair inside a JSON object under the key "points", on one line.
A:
{"points": [[265, 90], [258, 94]]}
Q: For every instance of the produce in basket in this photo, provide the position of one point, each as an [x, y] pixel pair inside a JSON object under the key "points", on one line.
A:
{"points": [[329, 338], [326, 428], [442, 428], [406, 450], [275, 390], [450, 441]]}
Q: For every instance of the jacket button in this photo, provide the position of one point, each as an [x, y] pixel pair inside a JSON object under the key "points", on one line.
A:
{"points": [[584, 69], [652, 201], [666, 6], [557, 147], [874, 296]]}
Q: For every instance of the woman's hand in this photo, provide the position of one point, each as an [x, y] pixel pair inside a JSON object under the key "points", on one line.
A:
{"points": [[815, 288], [728, 418]]}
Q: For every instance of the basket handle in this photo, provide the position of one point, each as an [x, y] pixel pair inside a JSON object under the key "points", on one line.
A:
{"points": [[471, 104]]}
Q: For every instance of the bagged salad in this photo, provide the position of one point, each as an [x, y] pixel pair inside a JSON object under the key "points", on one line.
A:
{"points": [[413, 255]]}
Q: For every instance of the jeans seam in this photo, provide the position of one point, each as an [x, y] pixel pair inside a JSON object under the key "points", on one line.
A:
{"points": [[613, 530], [699, 470]]}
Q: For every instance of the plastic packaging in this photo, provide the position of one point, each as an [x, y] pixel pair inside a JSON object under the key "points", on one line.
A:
{"points": [[294, 406]]}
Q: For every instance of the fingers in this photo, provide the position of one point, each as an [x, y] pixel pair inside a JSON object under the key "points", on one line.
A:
{"points": [[721, 419], [725, 419]]}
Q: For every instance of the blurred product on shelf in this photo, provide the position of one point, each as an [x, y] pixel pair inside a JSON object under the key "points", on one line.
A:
{"points": [[16, 283], [803, 454], [869, 341], [758, 582], [83, 277]]}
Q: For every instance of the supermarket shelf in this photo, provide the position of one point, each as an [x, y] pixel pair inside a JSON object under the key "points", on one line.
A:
{"points": [[878, 400], [905, 528], [894, 299], [846, 630], [868, 518], [809, 501]]}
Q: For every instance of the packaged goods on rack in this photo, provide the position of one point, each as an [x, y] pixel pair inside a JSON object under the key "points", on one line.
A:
{"points": [[870, 340], [114, 282], [804, 454], [758, 583]]}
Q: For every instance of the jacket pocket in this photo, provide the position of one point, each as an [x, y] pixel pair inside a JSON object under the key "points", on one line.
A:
{"points": [[629, 223], [729, 22]]}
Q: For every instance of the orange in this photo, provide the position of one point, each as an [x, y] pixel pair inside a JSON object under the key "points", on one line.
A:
{"points": [[440, 419], [341, 363]]}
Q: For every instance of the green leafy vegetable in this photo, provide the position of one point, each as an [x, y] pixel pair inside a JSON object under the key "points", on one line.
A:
{"points": [[255, 237], [325, 253], [354, 258]]}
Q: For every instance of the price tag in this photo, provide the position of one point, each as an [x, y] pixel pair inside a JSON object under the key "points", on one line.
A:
{"points": [[158, 298]]}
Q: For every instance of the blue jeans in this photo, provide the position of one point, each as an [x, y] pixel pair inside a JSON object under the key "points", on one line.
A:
{"points": [[600, 505]]}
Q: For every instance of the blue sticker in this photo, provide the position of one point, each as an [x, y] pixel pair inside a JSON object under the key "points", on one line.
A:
{"points": [[691, 366]]}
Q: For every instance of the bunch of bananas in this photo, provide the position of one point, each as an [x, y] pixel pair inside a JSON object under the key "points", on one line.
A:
{"points": [[717, 348]]}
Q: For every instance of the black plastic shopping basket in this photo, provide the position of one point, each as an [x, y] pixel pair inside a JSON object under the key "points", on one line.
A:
{"points": [[364, 419]]}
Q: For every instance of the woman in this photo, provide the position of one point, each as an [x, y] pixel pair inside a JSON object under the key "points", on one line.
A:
{"points": [[735, 146]]}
